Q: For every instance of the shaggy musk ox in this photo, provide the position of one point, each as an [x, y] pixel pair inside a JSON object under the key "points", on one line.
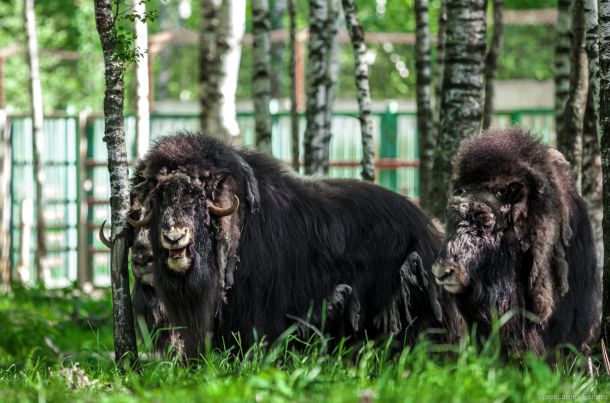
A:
{"points": [[518, 238], [145, 302], [243, 248]]}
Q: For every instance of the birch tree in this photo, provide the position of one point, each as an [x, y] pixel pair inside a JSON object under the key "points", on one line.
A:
{"points": [[29, 17], [114, 135], [491, 61], [143, 107], [222, 29], [294, 116], [425, 118], [278, 8], [5, 199], [439, 64], [321, 77], [563, 44], [261, 74], [591, 158], [365, 105], [462, 98], [604, 112], [569, 138]]}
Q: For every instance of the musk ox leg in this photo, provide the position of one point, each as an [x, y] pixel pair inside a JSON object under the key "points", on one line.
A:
{"points": [[341, 306], [413, 275]]}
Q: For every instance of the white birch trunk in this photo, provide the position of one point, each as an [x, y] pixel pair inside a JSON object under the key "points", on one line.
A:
{"points": [[439, 65], [261, 74], [222, 30], [604, 112], [563, 44], [425, 118], [114, 135], [5, 199], [38, 135], [321, 79], [463, 91], [356, 34], [143, 107], [569, 138], [294, 116], [491, 61], [591, 163]]}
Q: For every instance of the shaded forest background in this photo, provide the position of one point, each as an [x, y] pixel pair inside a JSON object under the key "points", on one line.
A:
{"points": [[76, 84]]}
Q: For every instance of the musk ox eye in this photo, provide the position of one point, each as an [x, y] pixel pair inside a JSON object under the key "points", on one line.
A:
{"points": [[135, 214], [458, 192]]}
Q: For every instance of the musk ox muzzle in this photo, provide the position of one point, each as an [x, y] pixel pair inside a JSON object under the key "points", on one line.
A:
{"points": [[450, 276], [176, 241]]}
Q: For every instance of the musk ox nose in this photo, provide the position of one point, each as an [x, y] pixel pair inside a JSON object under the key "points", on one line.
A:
{"points": [[443, 271], [449, 276], [174, 235]]}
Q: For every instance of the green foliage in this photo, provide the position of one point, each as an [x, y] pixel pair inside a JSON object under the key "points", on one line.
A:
{"points": [[72, 85], [78, 365]]}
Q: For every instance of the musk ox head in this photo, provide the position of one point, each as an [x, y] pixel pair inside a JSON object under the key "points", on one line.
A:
{"points": [[507, 223], [142, 257], [189, 196]]}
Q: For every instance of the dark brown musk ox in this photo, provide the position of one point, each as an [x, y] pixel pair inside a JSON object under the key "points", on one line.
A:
{"points": [[518, 239], [244, 248]]}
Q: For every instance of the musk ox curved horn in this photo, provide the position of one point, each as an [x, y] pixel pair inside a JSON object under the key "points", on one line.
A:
{"points": [[142, 222], [220, 211], [103, 238]]}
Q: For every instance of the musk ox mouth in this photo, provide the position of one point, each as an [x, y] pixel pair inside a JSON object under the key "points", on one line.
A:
{"points": [[176, 242], [143, 272], [178, 259], [447, 276]]}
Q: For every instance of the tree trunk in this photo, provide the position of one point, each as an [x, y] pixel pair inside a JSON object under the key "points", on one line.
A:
{"points": [[592, 175], [114, 135], [462, 98], [29, 16], [222, 29], [569, 140], [321, 75], [143, 107], [425, 118], [439, 66], [491, 61], [332, 65], [604, 112], [563, 44], [364, 93], [278, 8], [261, 74], [5, 200], [591, 160], [294, 116]]}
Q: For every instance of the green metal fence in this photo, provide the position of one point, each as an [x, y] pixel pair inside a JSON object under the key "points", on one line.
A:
{"points": [[77, 190]]}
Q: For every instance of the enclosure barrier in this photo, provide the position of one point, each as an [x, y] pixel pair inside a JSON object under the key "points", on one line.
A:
{"points": [[77, 190]]}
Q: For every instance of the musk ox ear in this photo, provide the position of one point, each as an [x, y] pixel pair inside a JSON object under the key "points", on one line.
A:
{"points": [[228, 234], [252, 193]]}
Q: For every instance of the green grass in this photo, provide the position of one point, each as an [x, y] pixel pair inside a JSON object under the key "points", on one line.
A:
{"points": [[56, 346]]}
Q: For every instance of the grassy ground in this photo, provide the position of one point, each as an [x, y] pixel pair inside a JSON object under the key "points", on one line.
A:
{"points": [[56, 346]]}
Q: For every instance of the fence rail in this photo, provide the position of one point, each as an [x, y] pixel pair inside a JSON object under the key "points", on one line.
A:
{"points": [[77, 188]]}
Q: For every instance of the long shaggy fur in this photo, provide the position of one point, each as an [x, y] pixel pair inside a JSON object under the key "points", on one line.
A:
{"points": [[539, 257], [299, 241]]}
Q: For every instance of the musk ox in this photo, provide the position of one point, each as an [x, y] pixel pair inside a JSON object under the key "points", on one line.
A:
{"points": [[518, 238], [244, 248]]}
